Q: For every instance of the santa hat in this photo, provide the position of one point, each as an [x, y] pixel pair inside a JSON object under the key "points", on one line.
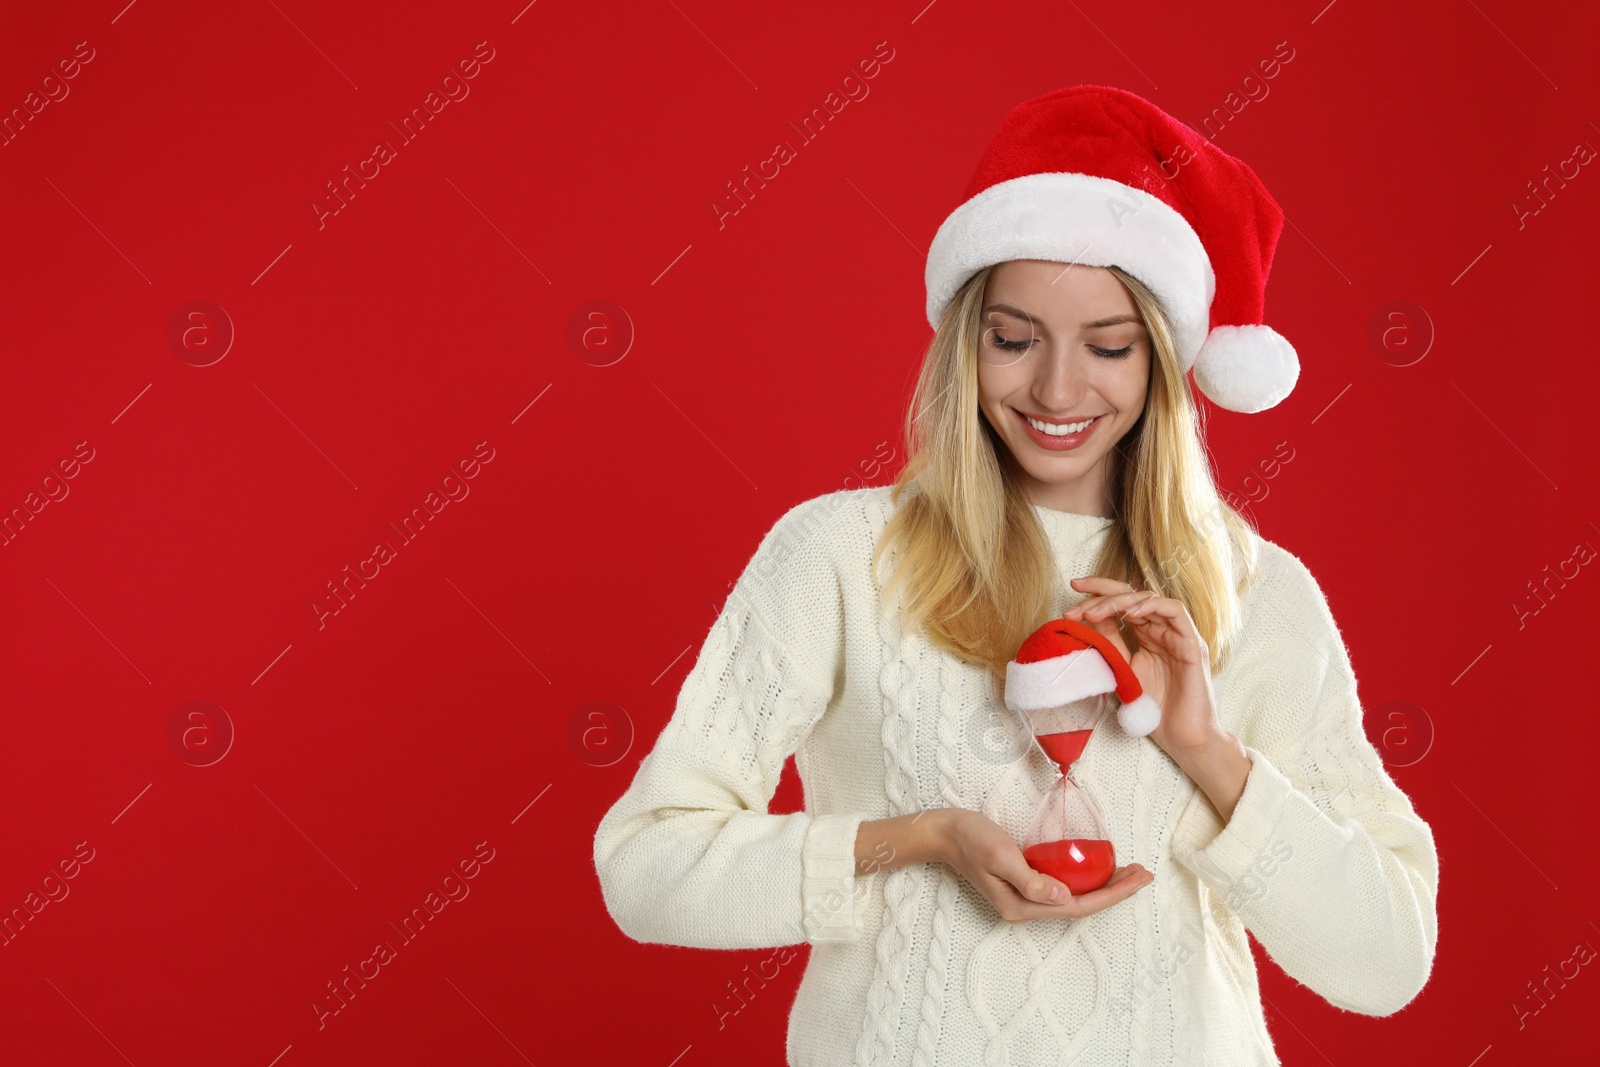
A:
{"points": [[1095, 175], [1065, 660]]}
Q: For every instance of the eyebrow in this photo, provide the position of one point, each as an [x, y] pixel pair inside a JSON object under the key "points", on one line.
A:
{"points": [[1115, 320]]}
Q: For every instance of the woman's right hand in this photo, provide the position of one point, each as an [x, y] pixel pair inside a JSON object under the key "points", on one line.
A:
{"points": [[988, 858]]}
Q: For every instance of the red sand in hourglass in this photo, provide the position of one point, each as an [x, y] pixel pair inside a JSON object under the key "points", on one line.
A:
{"points": [[1080, 865], [1065, 748]]}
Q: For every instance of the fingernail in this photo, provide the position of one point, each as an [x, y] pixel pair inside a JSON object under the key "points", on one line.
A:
{"points": [[1057, 894]]}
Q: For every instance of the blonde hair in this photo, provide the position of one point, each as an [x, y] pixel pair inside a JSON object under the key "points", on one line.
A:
{"points": [[973, 562]]}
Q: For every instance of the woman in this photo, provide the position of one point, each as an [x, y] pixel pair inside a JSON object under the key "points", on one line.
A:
{"points": [[1103, 250]]}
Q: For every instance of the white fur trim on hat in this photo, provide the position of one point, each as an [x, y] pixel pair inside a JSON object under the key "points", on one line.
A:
{"points": [[1246, 368], [1139, 716], [1050, 683], [1079, 218]]}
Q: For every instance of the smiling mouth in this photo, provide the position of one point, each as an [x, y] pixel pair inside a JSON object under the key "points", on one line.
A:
{"points": [[1061, 428]]}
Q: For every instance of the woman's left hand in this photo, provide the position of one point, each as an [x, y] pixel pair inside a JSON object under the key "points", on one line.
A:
{"points": [[1173, 663]]}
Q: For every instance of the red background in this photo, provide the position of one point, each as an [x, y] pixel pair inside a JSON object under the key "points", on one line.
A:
{"points": [[772, 357]]}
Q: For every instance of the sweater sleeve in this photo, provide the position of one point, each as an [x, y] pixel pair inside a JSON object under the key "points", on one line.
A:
{"points": [[1324, 859], [689, 854]]}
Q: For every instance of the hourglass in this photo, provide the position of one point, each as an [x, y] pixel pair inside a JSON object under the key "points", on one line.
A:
{"points": [[1059, 682], [1067, 838]]}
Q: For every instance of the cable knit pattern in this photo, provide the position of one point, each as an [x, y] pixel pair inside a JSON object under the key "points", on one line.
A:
{"points": [[937, 976], [1324, 859], [1144, 941], [897, 683]]}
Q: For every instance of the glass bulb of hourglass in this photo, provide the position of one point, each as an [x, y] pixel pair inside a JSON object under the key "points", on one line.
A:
{"points": [[1067, 838]]}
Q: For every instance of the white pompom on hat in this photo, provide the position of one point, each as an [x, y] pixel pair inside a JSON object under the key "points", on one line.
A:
{"points": [[1100, 176]]}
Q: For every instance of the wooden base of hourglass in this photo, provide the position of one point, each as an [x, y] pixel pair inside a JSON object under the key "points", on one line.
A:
{"points": [[1080, 864]]}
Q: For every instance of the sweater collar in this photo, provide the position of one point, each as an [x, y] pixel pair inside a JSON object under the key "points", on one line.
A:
{"points": [[1069, 528]]}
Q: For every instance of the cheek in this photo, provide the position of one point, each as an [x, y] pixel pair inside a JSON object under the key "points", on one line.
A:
{"points": [[992, 386], [1124, 383]]}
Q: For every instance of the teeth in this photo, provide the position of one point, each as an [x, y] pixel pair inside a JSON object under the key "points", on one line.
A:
{"points": [[1058, 431]]}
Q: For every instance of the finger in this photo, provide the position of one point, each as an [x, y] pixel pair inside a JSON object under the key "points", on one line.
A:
{"points": [[1031, 885], [1131, 870], [1119, 602], [1122, 885], [1127, 870], [1165, 610], [1094, 583], [1104, 605], [1106, 626], [1124, 882], [1076, 611], [1096, 587], [1157, 617], [1163, 606], [1156, 624], [1164, 619]]}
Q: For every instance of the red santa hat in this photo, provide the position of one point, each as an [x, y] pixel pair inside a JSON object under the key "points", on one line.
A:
{"points": [[1100, 176], [1065, 660]]}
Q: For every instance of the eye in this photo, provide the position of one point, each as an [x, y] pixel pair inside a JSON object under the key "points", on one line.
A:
{"points": [[1010, 346], [1113, 353]]}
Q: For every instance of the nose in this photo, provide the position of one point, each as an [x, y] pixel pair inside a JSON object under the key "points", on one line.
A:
{"points": [[1060, 379]]}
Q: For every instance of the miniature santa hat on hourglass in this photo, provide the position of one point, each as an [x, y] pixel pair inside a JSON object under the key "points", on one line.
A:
{"points": [[1066, 660]]}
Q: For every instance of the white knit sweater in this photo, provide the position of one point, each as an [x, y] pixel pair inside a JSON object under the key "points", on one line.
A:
{"points": [[1324, 859]]}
